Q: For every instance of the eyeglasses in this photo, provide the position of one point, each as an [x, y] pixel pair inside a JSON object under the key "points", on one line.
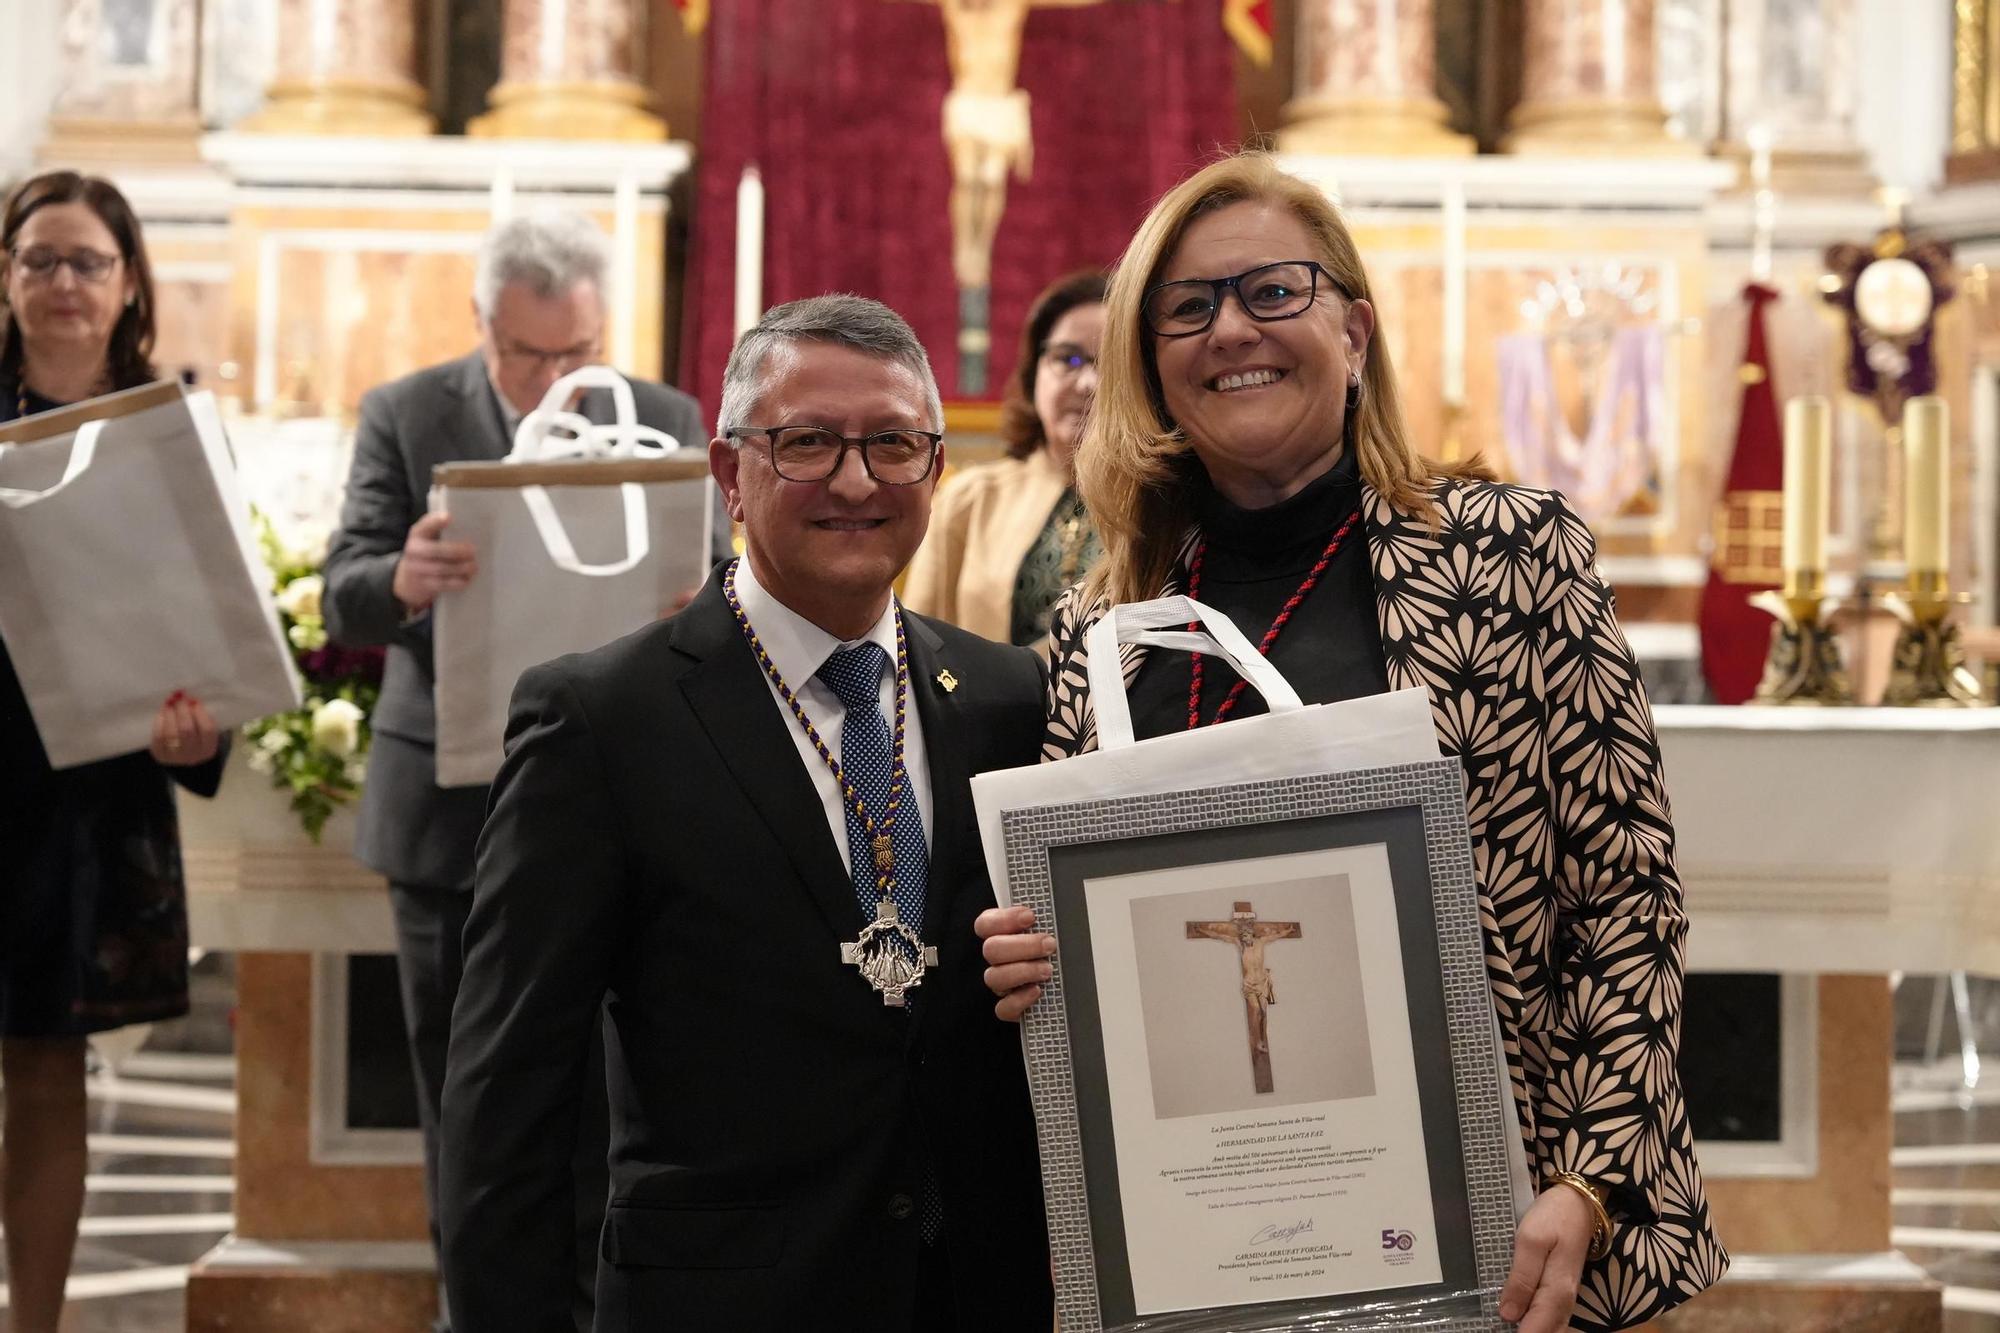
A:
{"points": [[1284, 290], [1067, 360], [582, 354], [814, 453], [41, 262]]}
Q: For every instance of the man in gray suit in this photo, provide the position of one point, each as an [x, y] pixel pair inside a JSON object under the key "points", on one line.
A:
{"points": [[539, 304]]}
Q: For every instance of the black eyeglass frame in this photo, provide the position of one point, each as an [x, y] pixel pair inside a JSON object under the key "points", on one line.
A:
{"points": [[1217, 286], [857, 442]]}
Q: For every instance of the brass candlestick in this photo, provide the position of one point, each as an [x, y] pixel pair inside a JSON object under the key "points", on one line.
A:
{"points": [[1803, 668], [1928, 669]]}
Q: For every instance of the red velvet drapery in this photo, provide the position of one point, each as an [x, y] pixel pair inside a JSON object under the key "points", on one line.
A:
{"points": [[838, 102]]}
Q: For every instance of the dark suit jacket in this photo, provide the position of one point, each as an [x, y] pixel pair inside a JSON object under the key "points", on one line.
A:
{"points": [[767, 1109], [411, 829]]}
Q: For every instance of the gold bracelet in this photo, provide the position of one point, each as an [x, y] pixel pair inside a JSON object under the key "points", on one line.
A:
{"points": [[1600, 1239]]}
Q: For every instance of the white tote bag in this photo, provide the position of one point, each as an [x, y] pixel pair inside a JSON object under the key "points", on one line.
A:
{"points": [[1293, 740], [582, 537], [130, 571]]}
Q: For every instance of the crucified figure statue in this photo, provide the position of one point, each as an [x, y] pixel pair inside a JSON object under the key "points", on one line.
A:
{"points": [[1250, 935], [987, 135]]}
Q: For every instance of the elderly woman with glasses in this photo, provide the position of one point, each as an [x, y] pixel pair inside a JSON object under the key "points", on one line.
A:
{"points": [[93, 911], [1247, 448], [1007, 537]]}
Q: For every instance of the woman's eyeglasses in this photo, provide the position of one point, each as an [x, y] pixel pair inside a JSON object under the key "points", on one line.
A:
{"points": [[40, 263], [1284, 290]]}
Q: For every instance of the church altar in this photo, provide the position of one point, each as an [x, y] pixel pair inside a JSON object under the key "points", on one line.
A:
{"points": [[1832, 846]]}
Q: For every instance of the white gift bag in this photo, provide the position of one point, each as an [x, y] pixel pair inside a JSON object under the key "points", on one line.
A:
{"points": [[131, 572], [581, 539], [1293, 740]]}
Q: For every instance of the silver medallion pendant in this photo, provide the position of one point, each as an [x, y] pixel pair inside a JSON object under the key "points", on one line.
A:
{"points": [[878, 954]]}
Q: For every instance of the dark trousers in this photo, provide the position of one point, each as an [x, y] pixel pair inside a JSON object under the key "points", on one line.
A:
{"points": [[430, 959]]}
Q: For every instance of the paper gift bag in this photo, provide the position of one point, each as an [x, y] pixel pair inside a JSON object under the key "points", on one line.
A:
{"points": [[131, 572], [574, 551], [1292, 740]]}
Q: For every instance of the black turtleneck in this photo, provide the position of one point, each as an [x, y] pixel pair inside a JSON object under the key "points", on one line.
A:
{"points": [[1331, 649]]}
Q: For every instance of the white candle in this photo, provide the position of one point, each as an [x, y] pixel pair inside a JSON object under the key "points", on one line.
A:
{"points": [[1808, 461], [749, 250], [1763, 206], [1454, 293], [1926, 485]]}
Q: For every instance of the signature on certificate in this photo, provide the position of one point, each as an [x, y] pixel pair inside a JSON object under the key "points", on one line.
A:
{"points": [[1274, 1233]]}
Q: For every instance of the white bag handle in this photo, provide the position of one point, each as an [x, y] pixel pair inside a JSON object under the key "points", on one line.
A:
{"points": [[1146, 623], [82, 450], [563, 552], [623, 438]]}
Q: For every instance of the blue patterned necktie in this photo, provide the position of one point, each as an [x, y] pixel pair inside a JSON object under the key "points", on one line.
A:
{"points": [[867, 757]]}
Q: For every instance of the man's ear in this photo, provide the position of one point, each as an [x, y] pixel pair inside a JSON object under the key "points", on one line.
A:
{"points": [[723, 465]]}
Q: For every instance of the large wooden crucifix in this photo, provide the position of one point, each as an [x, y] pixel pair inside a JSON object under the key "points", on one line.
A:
{"points": [[1250, 935], [988, 136]]}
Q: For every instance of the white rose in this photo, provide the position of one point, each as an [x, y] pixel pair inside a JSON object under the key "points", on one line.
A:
{"points": [[275, 741], [301, 596], [336, 727]]}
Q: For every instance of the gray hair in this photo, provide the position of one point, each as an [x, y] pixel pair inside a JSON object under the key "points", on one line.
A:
{"points": [[550, 251], [848, 321]]}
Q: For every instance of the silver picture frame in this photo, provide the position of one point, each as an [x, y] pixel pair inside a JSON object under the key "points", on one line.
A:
{"points": [[1416, 812]]}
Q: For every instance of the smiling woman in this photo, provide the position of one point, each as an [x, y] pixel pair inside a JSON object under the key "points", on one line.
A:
{"points": [[1247, 448]]}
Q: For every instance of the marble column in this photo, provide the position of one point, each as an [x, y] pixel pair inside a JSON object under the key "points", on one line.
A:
{"points": [[1370, 82], [1790, 73], [1975, 92], [569, 69], [345, 67], [1589, 83]]}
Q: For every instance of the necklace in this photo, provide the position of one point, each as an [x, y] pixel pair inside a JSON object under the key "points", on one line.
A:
{"points": [[1270, 635], [888, 953], [1076, 535]]}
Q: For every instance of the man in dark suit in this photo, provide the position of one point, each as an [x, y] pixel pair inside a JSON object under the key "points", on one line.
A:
{"points": [[790, 1151], [539, 304]]}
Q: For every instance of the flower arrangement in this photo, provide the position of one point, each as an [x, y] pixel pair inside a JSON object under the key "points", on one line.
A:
{"points": [[319, 751]]}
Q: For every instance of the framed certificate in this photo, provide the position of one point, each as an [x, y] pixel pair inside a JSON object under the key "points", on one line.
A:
{"points": [[1266, 1074]]}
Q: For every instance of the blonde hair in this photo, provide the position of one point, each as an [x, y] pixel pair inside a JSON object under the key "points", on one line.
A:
{"points": [[1135, 467]]}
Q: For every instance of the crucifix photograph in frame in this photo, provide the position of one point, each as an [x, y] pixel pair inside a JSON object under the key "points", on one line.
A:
{"points": [[1266, 1075]]}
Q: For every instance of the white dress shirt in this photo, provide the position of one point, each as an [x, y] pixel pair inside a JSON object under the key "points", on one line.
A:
{"points": [[798, 648]]}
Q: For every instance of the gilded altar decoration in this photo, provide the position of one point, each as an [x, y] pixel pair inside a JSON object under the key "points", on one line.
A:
{"points": [[1889, 292], [1928, 667], [1803, 665]]}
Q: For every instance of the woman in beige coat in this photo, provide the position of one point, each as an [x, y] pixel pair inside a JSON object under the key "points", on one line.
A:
{"points": [[1007, 537]]}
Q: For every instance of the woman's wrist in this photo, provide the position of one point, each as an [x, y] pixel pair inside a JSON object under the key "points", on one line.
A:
{"points": [[1596, 1195]]}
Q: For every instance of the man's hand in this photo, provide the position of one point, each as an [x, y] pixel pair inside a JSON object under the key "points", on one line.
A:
{"points": [[430, 566], [183, 732], [1549, 1251], [1017, 960]]}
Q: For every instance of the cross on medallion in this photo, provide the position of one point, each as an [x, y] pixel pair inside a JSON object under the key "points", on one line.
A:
{"points": [[1250, 935]]}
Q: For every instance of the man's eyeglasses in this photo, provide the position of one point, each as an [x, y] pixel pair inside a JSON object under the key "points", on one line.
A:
{"points": [[1067, 360], [814, 453], [1284, 290], [40, 263], [568, 358]]}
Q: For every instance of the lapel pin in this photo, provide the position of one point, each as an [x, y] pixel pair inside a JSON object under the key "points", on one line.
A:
{"points": [[946, 679]]}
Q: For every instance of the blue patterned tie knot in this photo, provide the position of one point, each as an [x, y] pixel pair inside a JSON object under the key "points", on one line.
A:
{"points": [[855, 674]]}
